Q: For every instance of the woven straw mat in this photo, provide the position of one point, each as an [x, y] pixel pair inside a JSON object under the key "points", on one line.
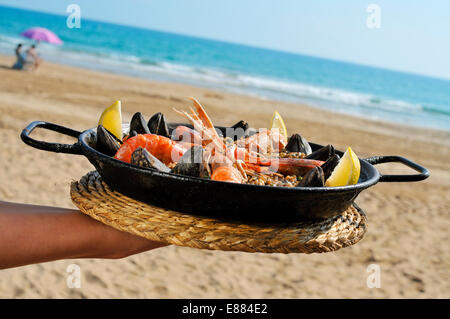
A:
{"points": [[94, 198]]}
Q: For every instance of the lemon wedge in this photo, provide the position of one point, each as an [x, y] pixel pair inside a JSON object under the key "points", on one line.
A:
{"points": [[111, 119], [346, 172], [278, 123]]}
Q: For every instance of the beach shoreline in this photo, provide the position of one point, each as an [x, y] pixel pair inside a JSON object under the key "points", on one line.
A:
{"points": [[408, 223]]}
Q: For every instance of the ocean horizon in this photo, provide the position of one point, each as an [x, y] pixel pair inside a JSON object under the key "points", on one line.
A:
{"points": [[343, 87]]}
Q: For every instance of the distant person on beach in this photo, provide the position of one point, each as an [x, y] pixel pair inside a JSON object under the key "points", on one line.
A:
{"points": [[33, 58], [34, 234], [21, 60]]}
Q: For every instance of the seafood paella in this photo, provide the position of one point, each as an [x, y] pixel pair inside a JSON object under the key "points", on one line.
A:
{"points": [[240, 154]]}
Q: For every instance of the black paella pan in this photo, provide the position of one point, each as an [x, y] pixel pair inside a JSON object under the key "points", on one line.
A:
{"points": [[221, 199]]}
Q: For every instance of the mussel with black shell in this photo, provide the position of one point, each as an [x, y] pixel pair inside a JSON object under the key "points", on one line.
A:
{"points": [[322, 154], [314, 178], [298, 144], [143, 158], [329, 156], [138, 124], [330, 165], [192, 164], [238, 130], [158, 125], [106, 142]]}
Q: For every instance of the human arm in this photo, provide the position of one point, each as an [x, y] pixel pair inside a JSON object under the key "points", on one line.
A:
{"points": [[33, 234]]}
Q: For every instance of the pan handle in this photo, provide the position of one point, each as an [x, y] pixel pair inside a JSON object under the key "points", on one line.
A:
{"points": [[424, 173], [51, 147]]}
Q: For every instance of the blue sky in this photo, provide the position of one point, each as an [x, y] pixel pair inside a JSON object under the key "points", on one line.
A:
{"points": [[414, 35]]}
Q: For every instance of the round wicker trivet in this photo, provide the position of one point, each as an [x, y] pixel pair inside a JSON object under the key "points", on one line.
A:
{"points": [[96, 199]]}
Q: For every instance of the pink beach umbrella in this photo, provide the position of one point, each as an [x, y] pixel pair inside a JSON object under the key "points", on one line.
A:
{"points": [[41, 34]]}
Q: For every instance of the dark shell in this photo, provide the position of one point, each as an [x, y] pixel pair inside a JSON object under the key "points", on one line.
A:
{"points": [[298, 144], [322, 154], [157, 125], [241, 124], [191, 163], [314, 178], [138, 124], [132, 134], [142, 157], [238, 130], [329, 166], [107, 143], [219, 132], [250, 132]]}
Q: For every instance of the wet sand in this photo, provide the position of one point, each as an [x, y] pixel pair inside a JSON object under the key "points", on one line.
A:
{"points": [[408, 230]]}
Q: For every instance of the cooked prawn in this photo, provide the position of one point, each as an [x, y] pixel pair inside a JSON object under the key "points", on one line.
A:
{"points": [[264, 142], [224, 170], [163, 148], [186, 134], [202, 124], [253, 151], [223, 163]]}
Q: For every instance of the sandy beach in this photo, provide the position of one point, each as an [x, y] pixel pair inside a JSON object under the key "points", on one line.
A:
{"points": [[408, 230]]}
